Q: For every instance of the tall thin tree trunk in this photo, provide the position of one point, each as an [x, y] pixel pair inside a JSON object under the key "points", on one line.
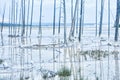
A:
{"points": [[12, 15], [96, 15], [117, 20], [54, 17], [80, 25], [28, 17], [108, 18], [73, 20], [16, 17], [77, 21], [64, 4], [9, 20], [83, 15], [116, 13], [23, 17], [20, 14], [3, 18], [40, 29], [74, 17], [31, 16], [71, 10], [101, 17], [72, 30], [59, 17]]}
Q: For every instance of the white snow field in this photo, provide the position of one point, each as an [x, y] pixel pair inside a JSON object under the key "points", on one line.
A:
{"points": [[32, 57]]}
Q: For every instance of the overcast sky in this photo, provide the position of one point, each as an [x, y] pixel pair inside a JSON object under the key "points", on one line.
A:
{"points": [[47, 16]]}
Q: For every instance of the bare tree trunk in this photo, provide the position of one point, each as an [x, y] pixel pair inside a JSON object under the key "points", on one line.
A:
{"points": [[54, 17], [73, 20], [108, 18], [77, 21], [80, 25], [64, 5], [23, 17], [13, 4], [117, 20], [3, 18], [28, 17], [40, 29], [59, 17], [12, 17], [16, 17], [101, 17], [96, 16], [9, 20], [20, 14], [31, 16]]}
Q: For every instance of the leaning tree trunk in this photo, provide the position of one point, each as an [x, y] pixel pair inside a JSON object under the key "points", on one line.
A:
{"points": [[101, 17], [3, 19], [72, 30], [117, 20]]}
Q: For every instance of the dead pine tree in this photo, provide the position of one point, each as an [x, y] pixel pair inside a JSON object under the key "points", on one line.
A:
{"points": [[96, 17], [81, 17], [73, 19], [71, 10], [23, 17], [54, 17], [59, 25], [101, 17], [31, 17], [62, 17], [77, 19], [116, 39], [40, 29], [108, 18], [64, 5], [20, 13], [16, 17], [13, 15], [9, 20], [28, 10], [117, 20], [3, 18]]}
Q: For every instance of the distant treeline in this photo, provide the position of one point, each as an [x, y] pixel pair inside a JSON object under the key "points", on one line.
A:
{"points": [[43, 24]]}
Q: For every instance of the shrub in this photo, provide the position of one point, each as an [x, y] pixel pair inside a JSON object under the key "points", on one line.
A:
{"points": [[64, 72], [1, 61]]}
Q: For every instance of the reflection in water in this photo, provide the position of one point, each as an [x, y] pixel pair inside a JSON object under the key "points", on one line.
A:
{"points": [[116, 53], [35, 58]]}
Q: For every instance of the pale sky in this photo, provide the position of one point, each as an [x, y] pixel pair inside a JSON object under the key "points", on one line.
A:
{"points": [[89, 15]]}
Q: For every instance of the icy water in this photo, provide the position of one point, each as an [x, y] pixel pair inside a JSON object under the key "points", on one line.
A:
{"points": [[33, 57]]}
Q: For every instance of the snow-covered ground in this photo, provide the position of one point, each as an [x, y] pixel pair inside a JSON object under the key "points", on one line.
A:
{"points": [[31, 56]]}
